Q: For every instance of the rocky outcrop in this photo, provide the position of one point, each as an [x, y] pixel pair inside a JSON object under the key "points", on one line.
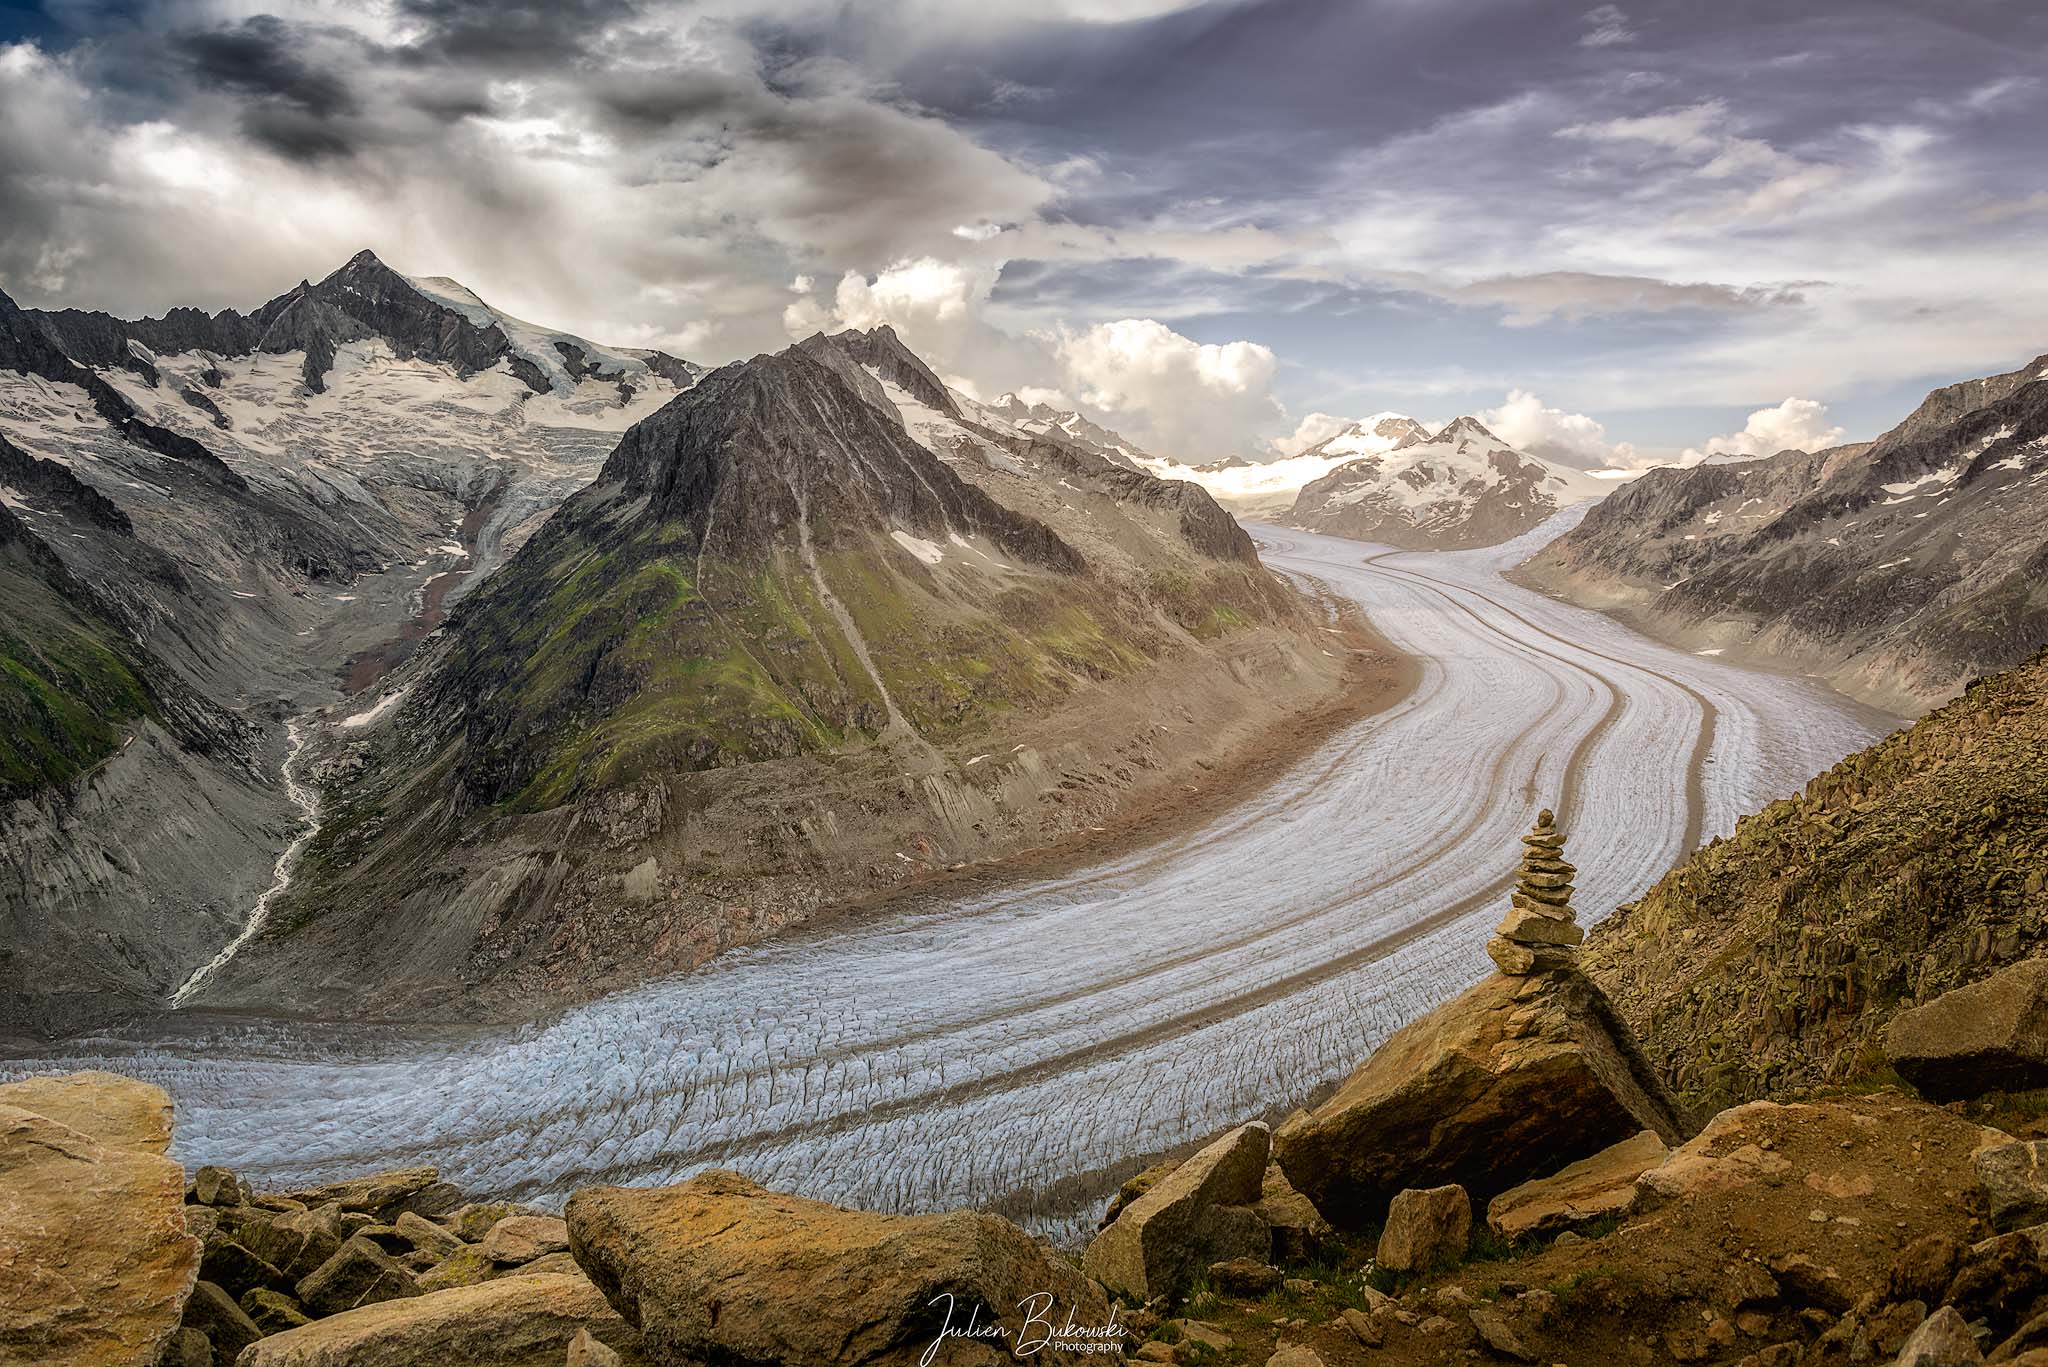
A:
{"points": [[1516, 1076], [719, 1269], [1198, 1214], [95, 1261], [518, 1321], [1898, 570], [1541, 928], [1600, 1187], [1775, 958], [1989, 1036]]}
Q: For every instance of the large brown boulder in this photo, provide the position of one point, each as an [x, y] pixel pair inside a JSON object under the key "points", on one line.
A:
{"points": [[95, 1261], [1989, 1036], [1199, 1214], [517, 1321], [720, 1270], [1517, 1076], [1591, 1189], [112, 1109]]}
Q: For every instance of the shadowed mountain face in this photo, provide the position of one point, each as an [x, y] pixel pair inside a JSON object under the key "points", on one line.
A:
{"points": [[815, 625], [1898, 569], [218, 522]]}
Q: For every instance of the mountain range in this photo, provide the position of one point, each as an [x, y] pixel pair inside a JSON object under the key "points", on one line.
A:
{"points": [[1389, 479], [1897, 569], [646, 660]]}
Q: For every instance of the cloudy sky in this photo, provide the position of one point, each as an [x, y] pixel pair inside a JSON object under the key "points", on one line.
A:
{"points": [[1617, 231]]}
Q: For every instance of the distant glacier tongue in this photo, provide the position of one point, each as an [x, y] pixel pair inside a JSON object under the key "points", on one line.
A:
{"points": [[1009, 1050]]}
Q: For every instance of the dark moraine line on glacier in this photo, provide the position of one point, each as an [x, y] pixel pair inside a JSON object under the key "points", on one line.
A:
{"points": [[1015, 1047]]}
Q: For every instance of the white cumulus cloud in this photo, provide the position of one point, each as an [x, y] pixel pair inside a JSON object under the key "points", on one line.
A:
{"points": [[1794, 425], [1310, 430], [1528, 424], [1193, 400]]}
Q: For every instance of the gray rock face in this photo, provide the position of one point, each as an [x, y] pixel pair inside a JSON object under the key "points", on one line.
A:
{"points": [[1899, 570], [1942, 1340], [1989, 1036], [1198, 1214], [1425, 1229], [2014, 1180]]}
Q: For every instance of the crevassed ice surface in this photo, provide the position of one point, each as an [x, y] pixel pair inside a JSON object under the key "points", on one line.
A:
{"points": [[1019, 1049]]}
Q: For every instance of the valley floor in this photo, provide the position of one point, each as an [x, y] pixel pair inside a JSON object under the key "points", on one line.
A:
{"points": [[1021, 1047]]}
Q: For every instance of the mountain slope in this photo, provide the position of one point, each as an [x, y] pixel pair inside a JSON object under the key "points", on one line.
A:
{"points": [[1461, 487], [1771, 960], [1897, 570], [811, 631], [258, 512]]}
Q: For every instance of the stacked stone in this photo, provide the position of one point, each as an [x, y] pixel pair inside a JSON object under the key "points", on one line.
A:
{"points": [[1540, 930]]}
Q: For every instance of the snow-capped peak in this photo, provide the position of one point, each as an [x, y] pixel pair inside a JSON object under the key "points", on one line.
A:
{"points": [[540, 345]]}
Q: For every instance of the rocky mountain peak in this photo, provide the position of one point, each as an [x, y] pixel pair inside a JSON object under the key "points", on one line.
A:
{"points": [[759, 446], [1468, 428], [877, 358]]}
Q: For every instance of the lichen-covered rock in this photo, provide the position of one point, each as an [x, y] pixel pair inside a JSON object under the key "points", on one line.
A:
{"points": [[1989, 1036], [214, 1313], [719, 1269], [516, 1321], [1591, 1189], [95, 1260], [1517, 1075], [522, 1238], [1198, 1214], [273, 1312], [1425, 1229]]}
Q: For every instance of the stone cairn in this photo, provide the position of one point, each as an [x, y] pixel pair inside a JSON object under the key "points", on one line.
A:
{"points": [[1540, 931]]}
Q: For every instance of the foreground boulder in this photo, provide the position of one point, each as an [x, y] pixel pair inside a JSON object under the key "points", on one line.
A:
{"points": [[1595, 1188], [1989, 1036], [1425, 1230], [359, 1274], [1199, 1214], [114, 1110], [516, 1321], [720, 1270], [1517, 1076], [2013, 1178], [95, 1261]]}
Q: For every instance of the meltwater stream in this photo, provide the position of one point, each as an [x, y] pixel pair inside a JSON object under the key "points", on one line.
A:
{"points": [[1017, 1049]]}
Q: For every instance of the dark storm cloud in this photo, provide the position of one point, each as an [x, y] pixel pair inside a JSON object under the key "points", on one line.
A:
{"points": [[510, 33], [1759, 187], [260, 58]]}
